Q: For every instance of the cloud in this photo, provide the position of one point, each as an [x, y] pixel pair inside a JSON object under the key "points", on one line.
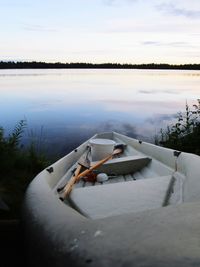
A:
{"points": [[151, 43], [109, 2], [160, 118], [118, 2], [146, 92], [157, 92], [131, 25], [145, 131], [140, 103], [157, 43], [170, 8], [126, 128], [38, 28], [120, 127], [152, 125]]}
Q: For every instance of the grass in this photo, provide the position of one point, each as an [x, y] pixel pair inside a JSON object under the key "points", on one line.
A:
{"points": [[19, 166], [184, 135]]}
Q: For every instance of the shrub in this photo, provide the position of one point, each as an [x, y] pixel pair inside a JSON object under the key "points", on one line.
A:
{"points": [[18, 167], [184, 135]]}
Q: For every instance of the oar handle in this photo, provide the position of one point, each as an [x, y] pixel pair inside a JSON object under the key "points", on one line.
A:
{"points": [[68, 188]]}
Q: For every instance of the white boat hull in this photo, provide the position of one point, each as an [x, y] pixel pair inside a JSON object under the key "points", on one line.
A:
{"points": [[60, 235]]}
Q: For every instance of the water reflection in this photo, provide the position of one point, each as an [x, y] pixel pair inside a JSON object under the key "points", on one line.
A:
{"points": [[72, 105]]}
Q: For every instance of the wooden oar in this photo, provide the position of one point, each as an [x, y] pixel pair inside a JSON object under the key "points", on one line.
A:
{"points": [[84, 162], [77, 177], [68, 187]]}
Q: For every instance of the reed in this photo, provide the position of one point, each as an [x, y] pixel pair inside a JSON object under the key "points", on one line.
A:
{"points": [[18, 166], [184, 134]]}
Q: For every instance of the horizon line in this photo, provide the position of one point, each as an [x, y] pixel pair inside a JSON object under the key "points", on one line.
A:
{"points": [[42, 64]]}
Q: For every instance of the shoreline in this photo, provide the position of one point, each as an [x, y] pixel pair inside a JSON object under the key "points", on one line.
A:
{"points": [[59, 65]]}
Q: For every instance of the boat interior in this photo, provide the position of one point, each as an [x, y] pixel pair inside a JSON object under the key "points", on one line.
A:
{"points": [[139, 180]]}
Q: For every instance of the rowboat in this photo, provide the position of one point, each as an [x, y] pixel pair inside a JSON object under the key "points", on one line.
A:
{"points": [[144, 212]]}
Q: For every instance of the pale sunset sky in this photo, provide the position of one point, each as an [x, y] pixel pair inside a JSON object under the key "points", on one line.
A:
{"points": [[98, 31]]}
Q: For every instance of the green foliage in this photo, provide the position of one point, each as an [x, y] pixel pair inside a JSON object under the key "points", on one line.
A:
{"points": [[18, 166], [15, 137], [184, 135], [9, 147]]}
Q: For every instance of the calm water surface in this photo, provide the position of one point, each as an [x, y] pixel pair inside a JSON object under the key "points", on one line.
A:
{"points": [[66, 107]]}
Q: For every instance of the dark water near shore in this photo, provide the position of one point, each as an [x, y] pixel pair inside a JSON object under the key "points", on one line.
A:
{"points": [[65, 107]]}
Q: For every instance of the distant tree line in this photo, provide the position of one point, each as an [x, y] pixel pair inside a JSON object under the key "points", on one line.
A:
{"points": [[59, 65]]}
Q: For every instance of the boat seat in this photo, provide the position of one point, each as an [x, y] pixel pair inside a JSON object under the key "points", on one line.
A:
{"points": [[125, 197], [124, 165]]}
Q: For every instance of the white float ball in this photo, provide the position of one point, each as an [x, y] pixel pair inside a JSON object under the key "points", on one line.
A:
{"points": [[102, 177]]}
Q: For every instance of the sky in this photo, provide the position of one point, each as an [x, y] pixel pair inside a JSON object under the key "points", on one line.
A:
{"points": [[98, 31]]}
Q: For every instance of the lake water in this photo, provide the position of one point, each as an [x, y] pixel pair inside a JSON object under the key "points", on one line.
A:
{"points": [[65, 107]]}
